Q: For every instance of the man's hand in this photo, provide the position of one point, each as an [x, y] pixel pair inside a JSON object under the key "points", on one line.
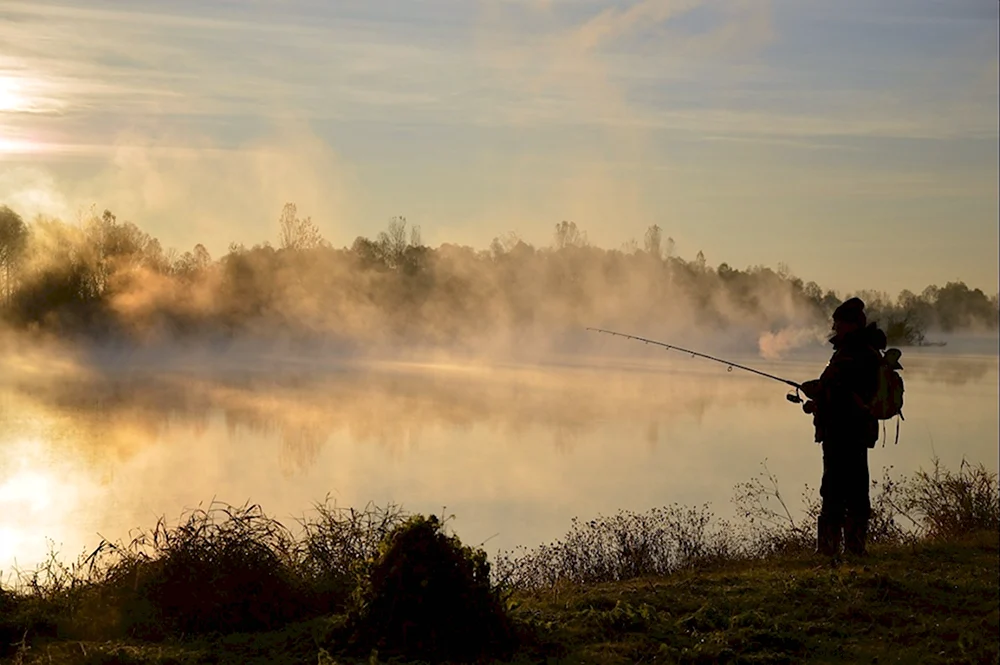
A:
{"points": [[809, 407], [811, 388]]}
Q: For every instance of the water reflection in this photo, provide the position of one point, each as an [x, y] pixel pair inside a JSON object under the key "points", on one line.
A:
{"points": [[511, 450], [389, 405]]}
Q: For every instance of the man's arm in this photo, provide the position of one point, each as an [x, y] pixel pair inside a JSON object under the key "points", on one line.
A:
{"points": [[812, 389], [821, 390]]}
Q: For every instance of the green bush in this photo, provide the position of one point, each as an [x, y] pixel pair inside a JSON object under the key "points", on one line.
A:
{"points": [[428, 597]]}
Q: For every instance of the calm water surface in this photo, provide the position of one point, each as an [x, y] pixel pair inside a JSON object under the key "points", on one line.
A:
{"points": [[513, 451]]}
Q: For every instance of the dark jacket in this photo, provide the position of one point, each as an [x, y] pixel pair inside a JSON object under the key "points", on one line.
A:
{"points": [[846, 387]]}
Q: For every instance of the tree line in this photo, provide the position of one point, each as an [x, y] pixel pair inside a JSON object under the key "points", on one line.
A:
{"points": [[104, 276]]}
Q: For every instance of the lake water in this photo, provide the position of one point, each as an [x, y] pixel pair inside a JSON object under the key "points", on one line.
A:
{"points": [[514, 451]]}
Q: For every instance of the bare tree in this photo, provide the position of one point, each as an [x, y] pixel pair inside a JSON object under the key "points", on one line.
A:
{"points": [[13, 239], [699, 261], [653, 241], [671, 245], [392, 242], [202, 259], [568, 235], [297, 234]]}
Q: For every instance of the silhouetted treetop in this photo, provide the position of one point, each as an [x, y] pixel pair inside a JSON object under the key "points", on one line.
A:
{"points": [[108, 276]]}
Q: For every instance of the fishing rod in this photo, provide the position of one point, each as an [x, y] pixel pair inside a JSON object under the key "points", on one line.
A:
{"points": [[731, 365]]}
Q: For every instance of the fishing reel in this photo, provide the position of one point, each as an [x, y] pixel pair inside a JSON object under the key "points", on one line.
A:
{"points": [[808, 406]]}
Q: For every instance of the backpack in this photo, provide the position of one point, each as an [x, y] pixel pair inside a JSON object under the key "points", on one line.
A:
{"points": [[888, 400]]}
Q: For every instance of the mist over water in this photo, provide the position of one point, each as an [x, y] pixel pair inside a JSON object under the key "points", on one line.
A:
{"points": [[175, 328], [101, 440]]}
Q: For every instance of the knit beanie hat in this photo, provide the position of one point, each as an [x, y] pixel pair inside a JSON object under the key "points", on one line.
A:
{"points": [[851, 311]]}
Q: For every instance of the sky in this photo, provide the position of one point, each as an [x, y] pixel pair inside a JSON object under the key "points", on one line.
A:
{"points": [[855, 141]]}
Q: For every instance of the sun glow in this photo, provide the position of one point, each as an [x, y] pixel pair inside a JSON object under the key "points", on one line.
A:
{"points": [[15, 98], [18, 146], [38, 497], [12, 95], [25, 497]]}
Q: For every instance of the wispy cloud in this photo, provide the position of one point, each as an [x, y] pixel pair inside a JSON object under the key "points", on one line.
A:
{"points": [[627, 67], [614, 23]]}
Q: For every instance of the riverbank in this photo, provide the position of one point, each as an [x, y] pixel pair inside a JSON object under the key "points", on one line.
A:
{"points": [[673, 585], [929, 602]]}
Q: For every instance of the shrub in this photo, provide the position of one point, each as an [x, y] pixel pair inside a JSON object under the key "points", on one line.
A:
{"points": [[428, 597], [949, 504], [223, 569], [335, 541], [619, 547]]}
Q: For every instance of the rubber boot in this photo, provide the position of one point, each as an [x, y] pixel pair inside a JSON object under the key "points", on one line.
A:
{"points": [[856, 535], [828, 537]]}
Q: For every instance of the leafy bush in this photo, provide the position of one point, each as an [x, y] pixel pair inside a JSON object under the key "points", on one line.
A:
{"points": [[429, 597]]}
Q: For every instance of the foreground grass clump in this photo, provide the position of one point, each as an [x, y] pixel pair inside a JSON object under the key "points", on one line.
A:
{"points": [[209, 574], [621, 547], [952, 504], [429, 597], [222, 569]]}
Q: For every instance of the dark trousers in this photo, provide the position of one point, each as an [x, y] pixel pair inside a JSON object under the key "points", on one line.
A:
{"points": [[846, 504]]}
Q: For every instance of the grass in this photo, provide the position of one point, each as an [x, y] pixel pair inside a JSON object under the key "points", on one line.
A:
{"points": [[673, 585], [220, 569], [923, 603]]}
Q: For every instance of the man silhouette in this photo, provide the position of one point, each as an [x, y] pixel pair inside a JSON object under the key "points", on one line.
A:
{"points": [[846, 429]]}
